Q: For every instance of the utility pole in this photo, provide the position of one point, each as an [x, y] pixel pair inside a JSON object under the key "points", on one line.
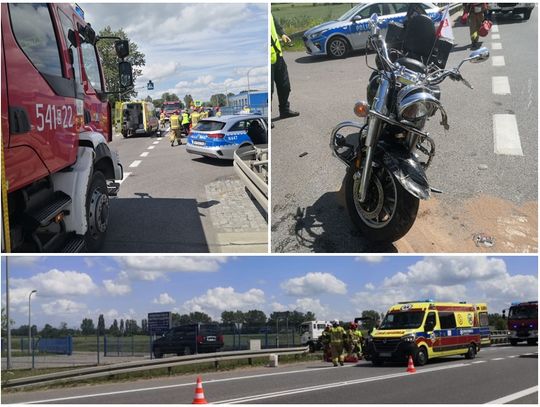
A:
{"points": [[8, 359], [30, 322]]}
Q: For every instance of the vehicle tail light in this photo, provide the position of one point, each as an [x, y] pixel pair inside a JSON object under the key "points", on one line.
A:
{"points": [[216, 135], [200, 339], [220, 339]]}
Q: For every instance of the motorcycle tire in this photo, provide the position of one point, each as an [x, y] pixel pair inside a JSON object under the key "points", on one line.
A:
{"points": [[404, 213]]}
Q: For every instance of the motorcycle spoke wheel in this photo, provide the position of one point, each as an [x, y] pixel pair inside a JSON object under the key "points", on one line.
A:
{"points": [[380, 206]]}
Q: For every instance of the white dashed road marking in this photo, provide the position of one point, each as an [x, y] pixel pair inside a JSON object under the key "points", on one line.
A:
{"points": [[155, 142], [495, 29], [505, 131], [145, 154], [151, 147], [495, 37], [478, 361], [135, 163], [500, 85], [126, 174], [515, 396], [498, 61], [496, 45], [512, 356], [497, 359]]}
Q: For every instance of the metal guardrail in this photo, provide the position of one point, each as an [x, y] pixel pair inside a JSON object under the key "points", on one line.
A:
{"points": [[498, 336], [248, 164], [137, 366]]}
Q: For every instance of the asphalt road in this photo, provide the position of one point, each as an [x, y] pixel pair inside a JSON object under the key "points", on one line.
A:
{"points": [[497, 372], [483, 191], [163, 204]]}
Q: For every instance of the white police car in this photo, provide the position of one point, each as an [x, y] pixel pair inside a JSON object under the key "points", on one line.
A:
{"points": [[219, 137], [350, 31]]}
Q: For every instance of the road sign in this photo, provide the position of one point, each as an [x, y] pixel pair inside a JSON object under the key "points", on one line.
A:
{"points": [[150, 85], [159, 322], [198, 103]]}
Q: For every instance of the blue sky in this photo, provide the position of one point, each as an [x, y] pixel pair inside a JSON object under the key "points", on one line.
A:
{"points": [[196, 48], [70, 288]]}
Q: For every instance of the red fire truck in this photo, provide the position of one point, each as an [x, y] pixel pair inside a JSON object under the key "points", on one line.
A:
{"points": [[522, 322], [170, 108], [57, 168]]}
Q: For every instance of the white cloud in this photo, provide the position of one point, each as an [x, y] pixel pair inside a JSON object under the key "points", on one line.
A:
{"points": [[52, 283], [278, 307], [449, 270], [369, 286], [116, 288], [63, 307], [310, 304], [313, 284], [164, 299], [220, 299], [370, 259]]}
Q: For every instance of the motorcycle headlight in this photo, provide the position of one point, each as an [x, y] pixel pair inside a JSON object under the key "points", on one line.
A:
{"points": [[416, 103], [408, 338]]}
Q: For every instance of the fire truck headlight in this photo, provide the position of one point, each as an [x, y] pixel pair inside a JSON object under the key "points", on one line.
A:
{"points": [[408, 338]]}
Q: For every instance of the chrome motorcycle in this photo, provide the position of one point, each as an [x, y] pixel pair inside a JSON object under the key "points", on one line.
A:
{"points": [[387, 156]]}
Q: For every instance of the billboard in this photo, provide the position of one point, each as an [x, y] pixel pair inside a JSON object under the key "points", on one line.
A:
{"points": [[159, 322]]}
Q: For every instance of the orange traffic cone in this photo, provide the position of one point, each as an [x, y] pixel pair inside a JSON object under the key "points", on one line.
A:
{"points": [[410, 366], [199, 393]]}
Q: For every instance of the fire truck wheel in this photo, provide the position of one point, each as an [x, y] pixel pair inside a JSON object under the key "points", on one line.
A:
{"points": [[471, 352], [97, 212]]}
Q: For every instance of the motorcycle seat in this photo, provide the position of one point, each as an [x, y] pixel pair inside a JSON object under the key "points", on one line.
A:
{"points": [[412, 64]]}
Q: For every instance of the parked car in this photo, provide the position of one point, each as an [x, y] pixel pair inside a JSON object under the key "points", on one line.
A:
{"points": [[513, 8], [349, 32], [188, 340], [220, 137]]}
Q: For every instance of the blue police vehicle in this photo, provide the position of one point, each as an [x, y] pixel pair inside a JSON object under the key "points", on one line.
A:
{"points": [[350, 31], [220, 137]]}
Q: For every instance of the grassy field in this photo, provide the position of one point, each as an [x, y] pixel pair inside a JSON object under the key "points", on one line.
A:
{"points": [[295, 18]]}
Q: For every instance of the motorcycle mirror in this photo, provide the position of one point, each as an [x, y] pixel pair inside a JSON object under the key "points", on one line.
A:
{"points": [[479, 55], [374, 23]]}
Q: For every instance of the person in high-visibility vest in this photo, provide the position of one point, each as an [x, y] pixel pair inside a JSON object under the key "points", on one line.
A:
{"points": [[354, 340], [337, 338], [195, 117], [218, 112], [325, 342], [185, 121], [279, 72]]}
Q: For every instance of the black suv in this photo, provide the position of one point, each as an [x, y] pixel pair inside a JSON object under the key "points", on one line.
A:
{"points": [[189, 339]]}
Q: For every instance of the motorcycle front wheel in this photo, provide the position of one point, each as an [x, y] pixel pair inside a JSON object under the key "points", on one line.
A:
{"points": [[389, 210]]}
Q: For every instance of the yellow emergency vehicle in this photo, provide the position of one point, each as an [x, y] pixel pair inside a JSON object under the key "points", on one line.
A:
{"points": [[425, 330], [138, 117], [482, 315]]}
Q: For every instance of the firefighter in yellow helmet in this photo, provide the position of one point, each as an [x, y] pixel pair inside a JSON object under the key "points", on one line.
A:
{"points": [[354, 339], [195, 117], [337, 338], [325, 342]]}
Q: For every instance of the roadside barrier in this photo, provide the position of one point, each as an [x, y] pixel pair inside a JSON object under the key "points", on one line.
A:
{"points": [[137, 366]]}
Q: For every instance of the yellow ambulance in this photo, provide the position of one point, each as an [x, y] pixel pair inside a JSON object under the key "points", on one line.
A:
{"points": [[425, 330]]}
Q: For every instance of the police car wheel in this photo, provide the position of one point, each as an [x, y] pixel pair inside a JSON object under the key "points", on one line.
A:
{"points": [[471, 352], [421, 357], [338, 47]]}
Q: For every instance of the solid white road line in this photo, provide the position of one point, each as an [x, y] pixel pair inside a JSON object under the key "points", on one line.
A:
{"points": [[151, 147], [495, 37], [256, 397], [126, 174], [515, 396], [172, 386], [155, 142], [135, 163], [505, 131], [500, 85], [495, 29], [145, 154], [498, 61], [496, 45]]}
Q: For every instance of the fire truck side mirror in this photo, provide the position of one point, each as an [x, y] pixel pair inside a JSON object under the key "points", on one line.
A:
{"points": [[122, 48], [71, 38], [126, 74]]}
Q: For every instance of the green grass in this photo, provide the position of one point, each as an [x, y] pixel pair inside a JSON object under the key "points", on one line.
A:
{"points": [[295, 18], [155, 373]]}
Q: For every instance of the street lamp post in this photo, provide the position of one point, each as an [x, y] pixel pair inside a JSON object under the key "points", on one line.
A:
{"points": [[30, 322], [7, 317]]}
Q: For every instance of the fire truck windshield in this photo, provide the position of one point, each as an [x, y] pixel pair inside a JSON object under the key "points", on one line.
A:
{"points": [[169, 107], [523, 312], [402, 320]]}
